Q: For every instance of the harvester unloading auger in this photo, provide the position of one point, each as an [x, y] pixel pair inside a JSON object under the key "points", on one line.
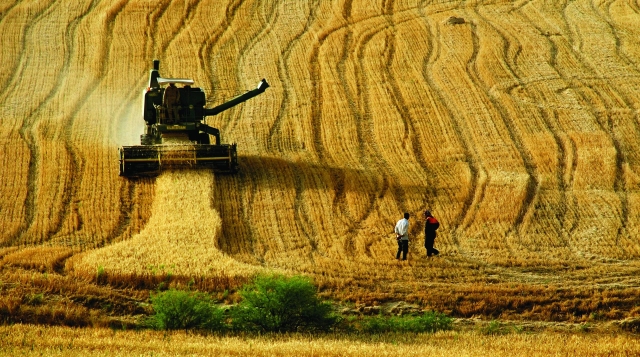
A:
{"points": [[175, 135]]}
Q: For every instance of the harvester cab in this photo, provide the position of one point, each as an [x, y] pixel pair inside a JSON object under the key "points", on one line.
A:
{"points": [[175, 135]]}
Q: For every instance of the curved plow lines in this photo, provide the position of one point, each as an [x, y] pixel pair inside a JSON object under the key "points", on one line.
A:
{"points": [[529, 135], [518, 128], [16, 155], [501, 180], [96, 112], [282, 27], [443, 173], [43, 121], [550, 148], [609, 163]]}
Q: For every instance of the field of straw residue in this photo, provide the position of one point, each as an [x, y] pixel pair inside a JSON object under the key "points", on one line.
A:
{"points": [[172, 241], [515, 122], [26, 340]]}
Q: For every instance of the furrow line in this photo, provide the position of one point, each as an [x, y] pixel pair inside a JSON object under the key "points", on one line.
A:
{"points": [[476, 169], [189, 11], [70, 185], [26, 133], [411, 133], [580, 54], [480, 184], [205, 53], [533, 185], [367, 122], [77, 163], [301, 210], [285, 79], [267, 21], [152, 20], [605, 15], [363, 155], [20, 64]]}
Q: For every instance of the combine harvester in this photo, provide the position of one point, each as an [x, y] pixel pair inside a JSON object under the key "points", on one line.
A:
{"points": [[175, 135]]}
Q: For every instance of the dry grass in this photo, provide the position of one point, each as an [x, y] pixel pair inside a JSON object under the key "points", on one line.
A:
{"points": [[30, 340], [44, 259], [518, 128], [50, 298], [180, 238]]}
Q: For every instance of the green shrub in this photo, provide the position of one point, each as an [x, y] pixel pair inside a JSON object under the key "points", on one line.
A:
{"points": [[279, 304], [493, 328], [429, 322], [175, 309]]}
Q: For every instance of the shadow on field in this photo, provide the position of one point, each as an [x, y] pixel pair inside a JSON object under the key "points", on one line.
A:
{"points": [[299, 191], [273, 172]]}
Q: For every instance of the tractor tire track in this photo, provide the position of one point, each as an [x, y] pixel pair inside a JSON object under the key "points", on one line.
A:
{"points": [[483, 181], [605, 15], [366, 122], [533, 180], [353, 224], [6, 8], [411, 133], [130, 189], [3, 16], [69, 190], [301, 211], [476, 169], [267, 25], [316, 77], [189, 11], [152, 19], [17, 69], [571, 164], [205, 53], [77, 161], [567, 151], [285, 79], [358, 109], [206, 57], [271, 18], [606, 126], [27, 135], [245, 187]]}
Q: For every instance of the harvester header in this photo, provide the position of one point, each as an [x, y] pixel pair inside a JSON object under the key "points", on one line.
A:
{"points": [[175, 134]]}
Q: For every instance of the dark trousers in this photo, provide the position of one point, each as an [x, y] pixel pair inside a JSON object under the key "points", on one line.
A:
{"points": [[428, 243], [403, 246]]}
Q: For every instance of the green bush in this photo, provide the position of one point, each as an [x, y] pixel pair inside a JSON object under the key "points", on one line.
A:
{"points": [[175, 309], [275, 303], [429, 322], [493, 328]]}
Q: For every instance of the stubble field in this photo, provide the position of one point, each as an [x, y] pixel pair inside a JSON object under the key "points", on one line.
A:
{"points": [[518, 128]]}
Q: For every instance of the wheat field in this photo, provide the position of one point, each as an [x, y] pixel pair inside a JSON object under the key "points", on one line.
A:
{"points": [[518, 127]]}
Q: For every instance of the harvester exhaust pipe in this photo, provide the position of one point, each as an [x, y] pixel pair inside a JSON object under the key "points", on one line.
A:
{"points": [[154, 74]]}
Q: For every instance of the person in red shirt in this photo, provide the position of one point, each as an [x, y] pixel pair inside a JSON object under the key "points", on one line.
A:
{"points": [[430, 227]]}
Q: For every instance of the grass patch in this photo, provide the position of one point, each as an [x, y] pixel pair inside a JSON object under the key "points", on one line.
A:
{"points": [[428, 322]]}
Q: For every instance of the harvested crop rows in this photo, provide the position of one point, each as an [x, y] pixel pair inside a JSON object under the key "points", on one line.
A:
{"points": [[518, 127]]}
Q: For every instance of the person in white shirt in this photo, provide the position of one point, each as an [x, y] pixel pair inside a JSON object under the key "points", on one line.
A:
{"points": [[402, 235]]}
